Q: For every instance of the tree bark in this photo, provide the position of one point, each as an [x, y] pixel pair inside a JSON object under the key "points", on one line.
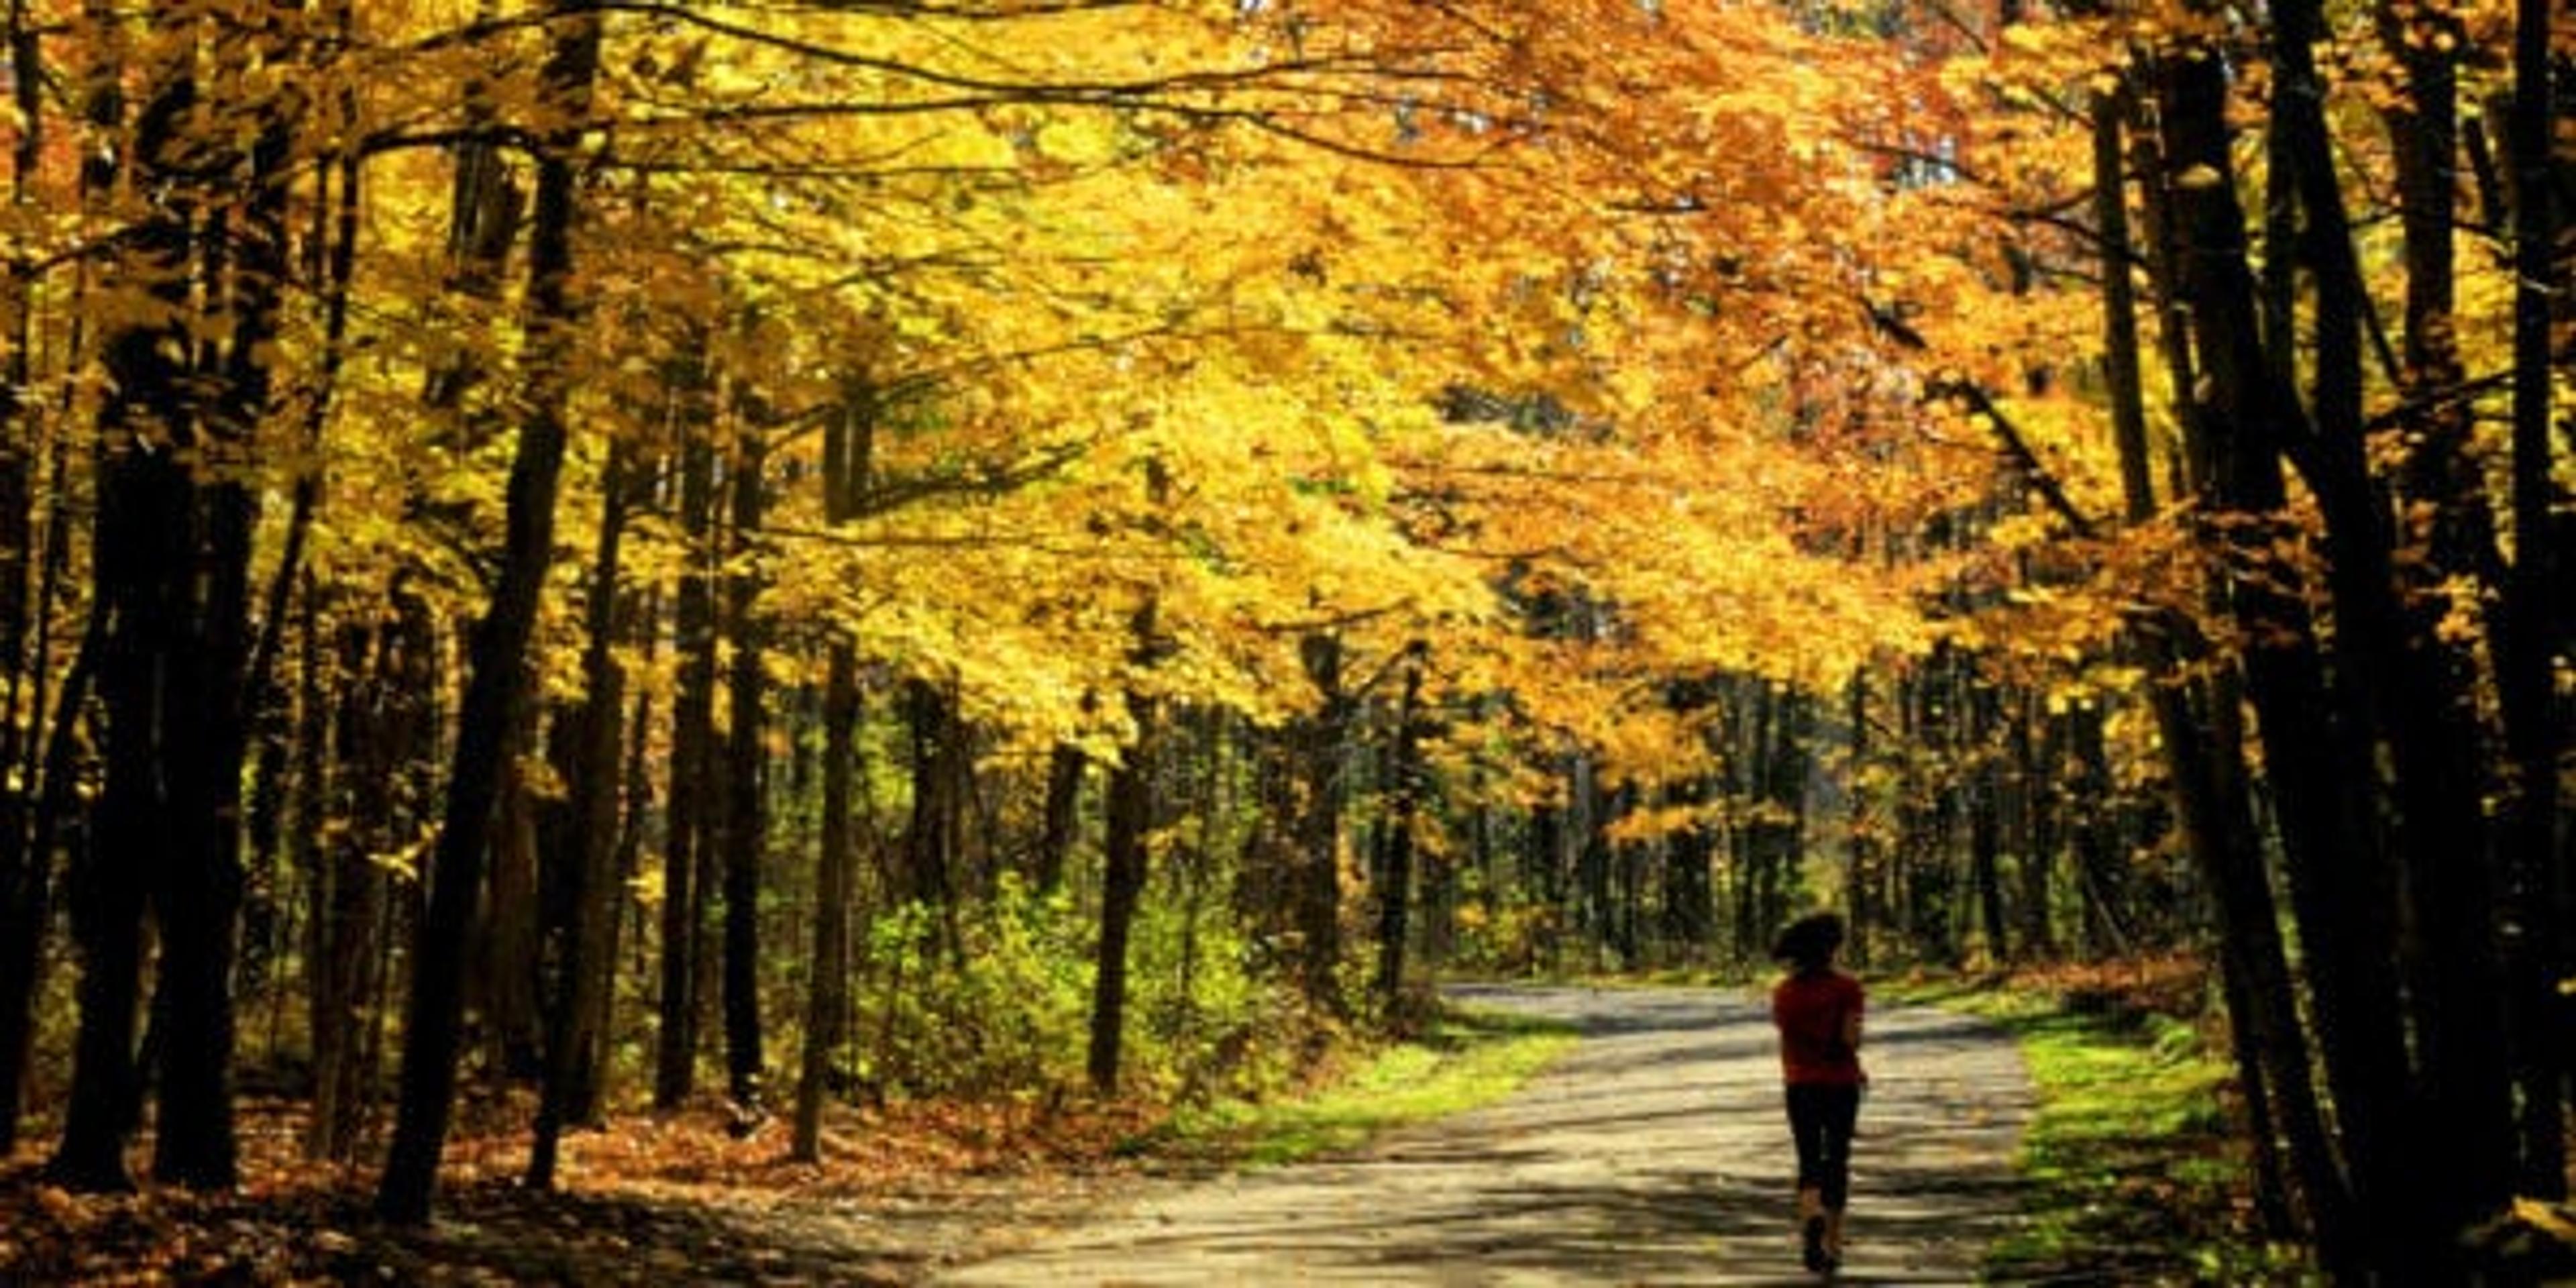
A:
{"points": [[1130, 808], [347, 887], [2419, 692], [589, 896], [1403, 787], [1060, 817], [1316, 742], [1985, 800], [687, 820], [2244, 421], [828, 992], [1130, 823], [746, 815], [26, 864], [144, 538], [500, 642], [2540, 877]]}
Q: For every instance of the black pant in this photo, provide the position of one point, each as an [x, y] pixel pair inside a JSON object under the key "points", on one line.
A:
{"points": [[1821, 1115]]}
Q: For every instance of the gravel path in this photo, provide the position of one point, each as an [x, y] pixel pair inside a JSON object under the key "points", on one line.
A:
{"points": [[1656, 1152]]}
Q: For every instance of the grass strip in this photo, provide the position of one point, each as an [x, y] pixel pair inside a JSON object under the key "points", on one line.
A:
{"points": [[1459, 1061], [2136, 1173]]}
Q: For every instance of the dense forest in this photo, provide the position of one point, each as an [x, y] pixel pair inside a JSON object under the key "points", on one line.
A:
{"points": [[800, 551]]}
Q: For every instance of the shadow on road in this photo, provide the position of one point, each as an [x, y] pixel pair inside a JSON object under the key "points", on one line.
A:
{"points": [[1656, 1152]]}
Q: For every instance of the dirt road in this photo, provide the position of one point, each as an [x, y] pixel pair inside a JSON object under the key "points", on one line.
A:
{"points": [[1656, 1152]]}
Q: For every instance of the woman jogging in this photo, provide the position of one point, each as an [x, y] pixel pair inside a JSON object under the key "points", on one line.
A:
{"points": [[1817, 1009]]}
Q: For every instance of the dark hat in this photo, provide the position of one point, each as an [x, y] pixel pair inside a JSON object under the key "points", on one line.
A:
{"points": [[1809, 940]]}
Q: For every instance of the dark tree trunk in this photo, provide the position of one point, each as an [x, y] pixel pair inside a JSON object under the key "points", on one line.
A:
{"points": [[2340, 889], [2035, 764], [746, 815], [624, 862], [1628, 862], [500, 641], [144, 542], [939, 766], [30, 899], [2540, 884], [505, 986], [835, 866], [1404, 790], [1862, 862], [2418, 691], [26, 861], [1129, 826], [692, 758], [333, 257], [834, 878], [1690, 900], [1591, 856], [1130, 809], [1061, 817], [348, 887], [1927, 883], [2204, 743], [1985, 799], [1316, 742], [1778, 830], [1543, 874], [2101, 864], [200, 891], [586, 889]]}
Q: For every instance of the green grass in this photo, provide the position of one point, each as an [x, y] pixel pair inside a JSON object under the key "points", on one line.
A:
{"points": [[1459, 1061], [2134, 1167]]}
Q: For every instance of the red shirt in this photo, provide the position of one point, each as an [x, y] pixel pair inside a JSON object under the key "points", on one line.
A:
{"points": [[1811, 1011]]}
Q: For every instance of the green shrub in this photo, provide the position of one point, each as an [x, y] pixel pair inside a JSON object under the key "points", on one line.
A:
{"points": [[1006, 1009]]}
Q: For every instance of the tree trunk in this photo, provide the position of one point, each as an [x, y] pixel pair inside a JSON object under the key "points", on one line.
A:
{"points": [[1316, 742], [505, 987], [746, 815], [2315, 762], [1690, 909], [1130, 808], [2101, 863], [828, 993], [26, 862], [144, 542], [2037, 755], [1061, 816], [1404, 787], [1130, 823], [625, 861], [2204, 746], [1861, 862], [2419, 690], [348, 887], [692, 758], [2205, 755], [1985, 799], [2540, 886], [500, 642], [930, 840], [588, 893]]}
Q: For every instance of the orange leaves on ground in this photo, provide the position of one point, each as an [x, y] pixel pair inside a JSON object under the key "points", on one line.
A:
{"points": [[644, 1200]]}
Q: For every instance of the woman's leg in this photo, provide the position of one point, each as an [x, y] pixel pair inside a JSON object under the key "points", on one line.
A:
{"points": [[1837, 1114], [1810, 1127]]}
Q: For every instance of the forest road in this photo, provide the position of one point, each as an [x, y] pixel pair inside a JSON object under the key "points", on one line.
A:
{"points": [[1655, 1152]]}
